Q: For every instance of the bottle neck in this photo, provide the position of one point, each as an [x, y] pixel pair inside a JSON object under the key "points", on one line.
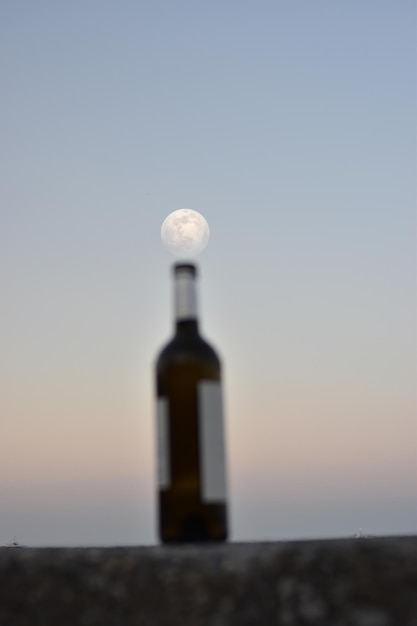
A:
{"points": [[185, 301]]}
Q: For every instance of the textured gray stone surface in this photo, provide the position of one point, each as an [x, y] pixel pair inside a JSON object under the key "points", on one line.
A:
{"points": [[352, 582]]}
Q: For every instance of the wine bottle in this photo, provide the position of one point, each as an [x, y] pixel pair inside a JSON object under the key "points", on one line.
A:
{"points": [[190, 431]]}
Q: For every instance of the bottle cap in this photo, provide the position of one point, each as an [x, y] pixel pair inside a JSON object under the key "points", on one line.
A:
{"points": [[185, 268]]}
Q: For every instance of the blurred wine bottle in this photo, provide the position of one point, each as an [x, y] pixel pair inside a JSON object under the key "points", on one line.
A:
{"points": [[190, 431]]}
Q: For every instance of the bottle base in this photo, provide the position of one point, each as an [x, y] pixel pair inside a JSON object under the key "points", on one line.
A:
{"points": [[193, 530]]}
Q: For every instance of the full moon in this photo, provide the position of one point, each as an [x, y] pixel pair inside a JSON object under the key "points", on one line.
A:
{"points": [[185, 232]]}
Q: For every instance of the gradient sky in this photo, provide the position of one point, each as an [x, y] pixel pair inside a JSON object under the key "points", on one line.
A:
{"points": [[291, 126]]}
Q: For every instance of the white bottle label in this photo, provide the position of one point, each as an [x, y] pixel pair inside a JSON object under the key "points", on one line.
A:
{"points": [[164, 474], [212, 449]]}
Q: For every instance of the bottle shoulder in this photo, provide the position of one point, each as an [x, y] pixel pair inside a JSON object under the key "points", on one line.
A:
{"points": [[187, 349]]}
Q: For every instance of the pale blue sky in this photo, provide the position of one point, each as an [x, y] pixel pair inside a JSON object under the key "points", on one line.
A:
{"points": [[291, 126]]}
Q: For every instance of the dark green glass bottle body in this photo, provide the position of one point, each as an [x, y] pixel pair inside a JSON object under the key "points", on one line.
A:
{"points": [[191, 463]]}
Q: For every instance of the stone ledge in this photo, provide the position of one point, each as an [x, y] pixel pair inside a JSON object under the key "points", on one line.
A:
{"points": [[350, 582]]}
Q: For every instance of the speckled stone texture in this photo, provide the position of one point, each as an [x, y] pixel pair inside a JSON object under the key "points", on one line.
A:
{"points": [[351, 582]]}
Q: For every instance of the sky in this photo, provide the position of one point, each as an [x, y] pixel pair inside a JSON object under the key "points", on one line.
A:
{"points": [[291, 126]]}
